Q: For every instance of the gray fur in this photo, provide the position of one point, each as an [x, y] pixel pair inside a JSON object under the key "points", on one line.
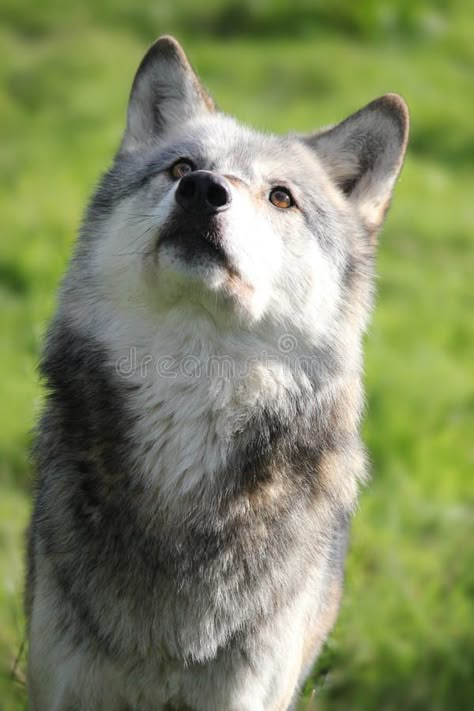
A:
{"points": [[189, 532]]}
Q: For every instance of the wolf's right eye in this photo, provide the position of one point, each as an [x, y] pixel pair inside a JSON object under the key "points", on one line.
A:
{"points": [[181, 168]]}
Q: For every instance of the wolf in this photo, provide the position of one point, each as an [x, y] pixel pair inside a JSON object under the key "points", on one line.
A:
{"points": [[198, 457]]}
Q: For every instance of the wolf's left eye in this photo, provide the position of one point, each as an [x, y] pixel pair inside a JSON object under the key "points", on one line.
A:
{"points": [[180, 168], [281, 197]]}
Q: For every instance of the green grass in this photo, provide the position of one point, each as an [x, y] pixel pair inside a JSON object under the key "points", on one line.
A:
{"points": [[404, 638]]}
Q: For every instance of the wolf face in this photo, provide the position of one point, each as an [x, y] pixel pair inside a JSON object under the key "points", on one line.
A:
{"points": [[262, 231], [190, 523]]}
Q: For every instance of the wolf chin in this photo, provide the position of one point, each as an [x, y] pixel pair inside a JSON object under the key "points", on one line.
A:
{"points": [[187, 544]]}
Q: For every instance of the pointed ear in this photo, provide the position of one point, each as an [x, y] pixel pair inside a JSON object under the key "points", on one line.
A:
{"points": [[165, 92], [364, 154]]}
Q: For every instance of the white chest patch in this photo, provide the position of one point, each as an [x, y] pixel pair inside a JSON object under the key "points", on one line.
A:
{"points": [[194, 389]]}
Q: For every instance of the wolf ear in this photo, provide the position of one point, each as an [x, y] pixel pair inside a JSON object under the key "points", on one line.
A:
{"points": [[165, 92], [364, 154]]}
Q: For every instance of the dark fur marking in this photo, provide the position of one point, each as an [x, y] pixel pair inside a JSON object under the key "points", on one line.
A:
{"points": [[199, 241]]}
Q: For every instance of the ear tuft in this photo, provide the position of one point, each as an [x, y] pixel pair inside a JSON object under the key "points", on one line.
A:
{"points": [[165, 93], [364, 153]]}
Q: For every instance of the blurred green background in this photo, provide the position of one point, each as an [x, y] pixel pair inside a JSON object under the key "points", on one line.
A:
{"points": [[404, 639]]}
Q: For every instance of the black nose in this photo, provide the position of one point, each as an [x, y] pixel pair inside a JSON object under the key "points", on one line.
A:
{"points": [[203, 191]]}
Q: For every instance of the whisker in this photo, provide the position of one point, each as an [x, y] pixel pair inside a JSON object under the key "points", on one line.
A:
{"points": [[137, 238], [135, 215], [130, 254]]}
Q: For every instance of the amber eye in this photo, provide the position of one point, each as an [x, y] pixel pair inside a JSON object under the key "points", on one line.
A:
{"points": [[181, 168], [282, 198]]}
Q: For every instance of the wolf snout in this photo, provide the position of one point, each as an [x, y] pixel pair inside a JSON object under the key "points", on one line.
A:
{"points": [[203, 191]]}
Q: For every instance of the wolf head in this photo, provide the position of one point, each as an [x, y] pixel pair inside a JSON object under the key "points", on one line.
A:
{"points": [[271, 234]]}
